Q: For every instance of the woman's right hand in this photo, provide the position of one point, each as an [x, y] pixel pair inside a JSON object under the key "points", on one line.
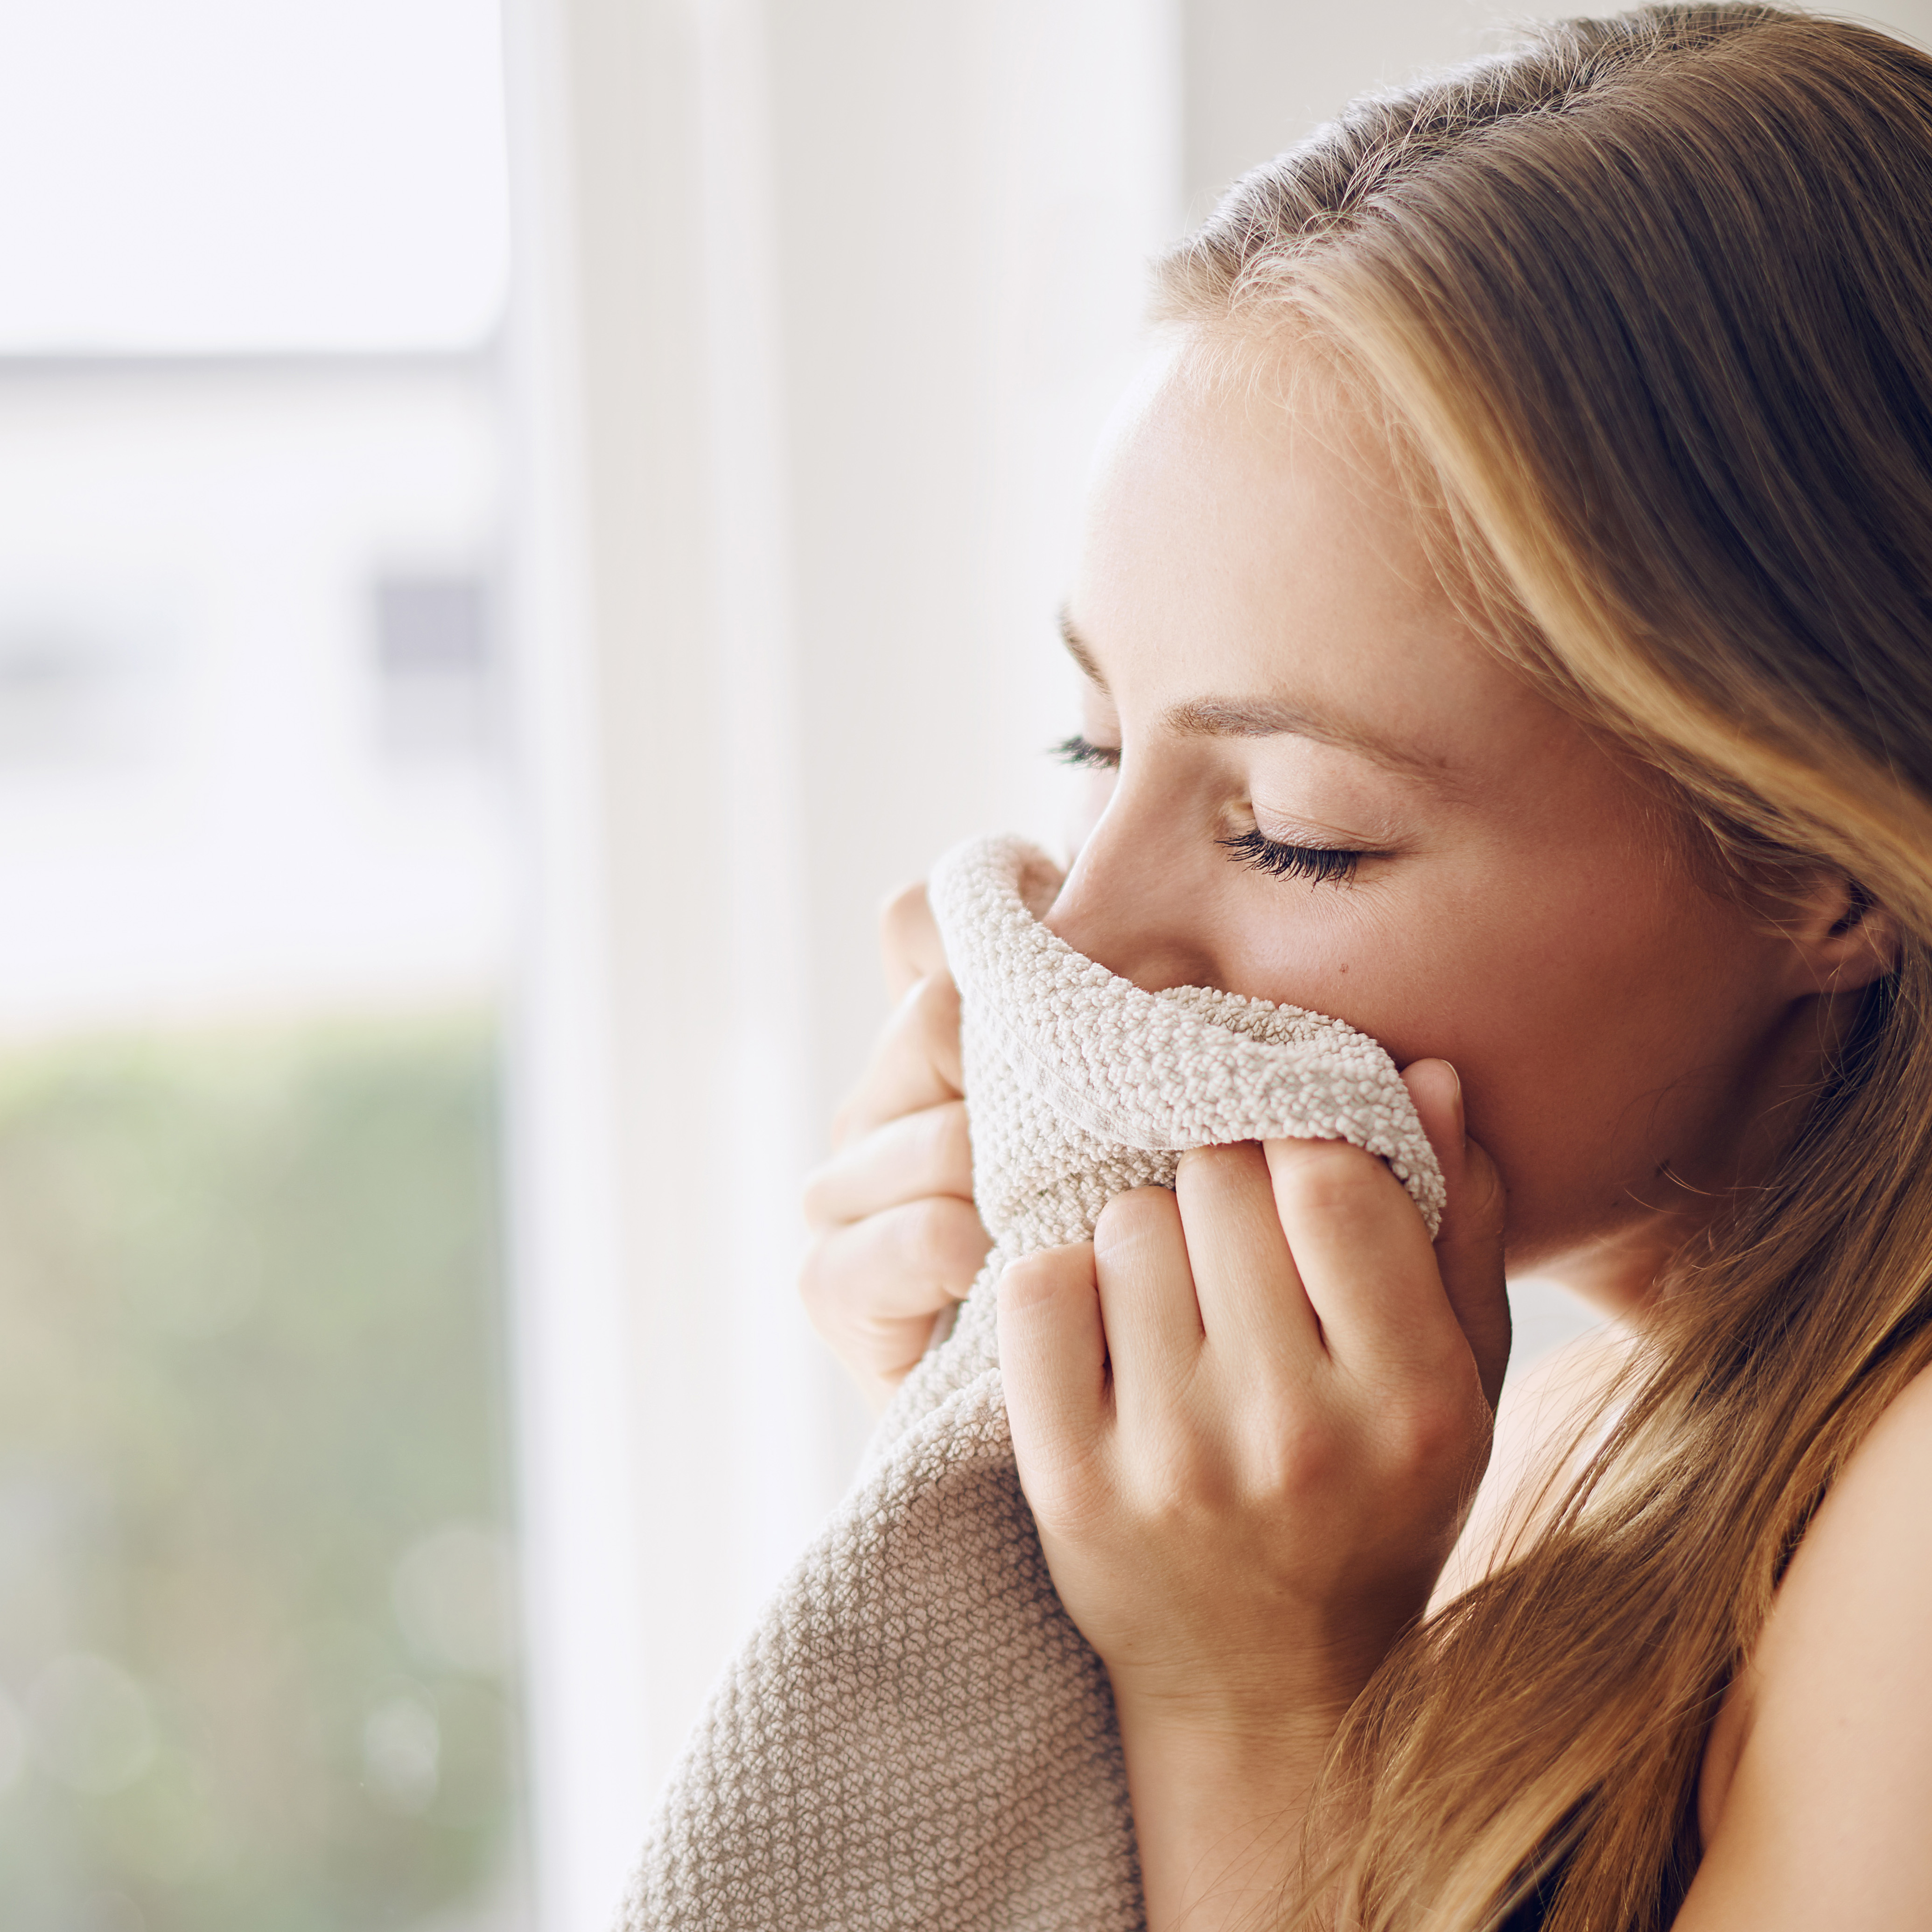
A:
{"points": [[895, 1236]]}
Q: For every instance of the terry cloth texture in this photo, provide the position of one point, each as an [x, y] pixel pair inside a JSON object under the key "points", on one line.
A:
{"points": [[916, 1738]]}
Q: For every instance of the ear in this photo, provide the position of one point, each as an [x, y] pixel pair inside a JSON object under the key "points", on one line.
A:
{"points": [[1842, 940]]}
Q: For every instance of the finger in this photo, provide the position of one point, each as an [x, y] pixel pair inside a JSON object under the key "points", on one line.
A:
{"points": [[1469, 1244], [1053, 1361], [906, 1264], [881, 1351], [928, 1153], [1365, 1260], [910, 945], [1251, 1299], [1147, 1304], [915, 1065]]}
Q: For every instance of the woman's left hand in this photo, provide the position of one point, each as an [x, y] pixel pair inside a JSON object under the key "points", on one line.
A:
{"points": [[1249, 1418]]}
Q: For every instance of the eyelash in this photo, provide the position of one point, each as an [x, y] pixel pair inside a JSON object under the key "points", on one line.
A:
{"points": [[1320, 865], [1090, 757]]}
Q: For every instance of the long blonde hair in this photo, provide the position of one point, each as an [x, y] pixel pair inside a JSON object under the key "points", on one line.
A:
{"points": [[1651, 296]]}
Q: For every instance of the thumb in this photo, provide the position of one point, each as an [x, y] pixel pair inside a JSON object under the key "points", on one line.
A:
{"points": [[1469, 1244]]}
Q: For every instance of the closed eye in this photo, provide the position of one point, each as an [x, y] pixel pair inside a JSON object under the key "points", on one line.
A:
{"points": [[1318, 864], [1078, 751]]}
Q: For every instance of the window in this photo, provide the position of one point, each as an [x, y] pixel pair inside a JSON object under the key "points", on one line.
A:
{"points": [[259, 1646]]}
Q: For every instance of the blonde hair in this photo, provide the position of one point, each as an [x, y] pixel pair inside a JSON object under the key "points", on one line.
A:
{"points": [[1650, 297]]}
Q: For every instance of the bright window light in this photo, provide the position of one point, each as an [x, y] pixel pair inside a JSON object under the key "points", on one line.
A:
{"points": [[250, 176]]}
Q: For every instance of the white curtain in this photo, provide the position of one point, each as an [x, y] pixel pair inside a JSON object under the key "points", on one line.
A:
{"points": [[819, 310]]}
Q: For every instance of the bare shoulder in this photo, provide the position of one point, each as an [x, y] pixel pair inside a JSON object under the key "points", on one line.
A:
{"points": [[1818, 1782]]}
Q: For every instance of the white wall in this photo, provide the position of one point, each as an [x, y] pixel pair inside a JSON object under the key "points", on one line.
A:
{"points": [[968, 198], [1259, 76], [1260, 73]]}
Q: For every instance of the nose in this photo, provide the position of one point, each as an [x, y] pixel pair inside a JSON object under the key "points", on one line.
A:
{"points": [[1137, 900]]}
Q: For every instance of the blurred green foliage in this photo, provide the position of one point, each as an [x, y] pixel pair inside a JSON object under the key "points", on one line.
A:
{"points": [[255, 1671]]}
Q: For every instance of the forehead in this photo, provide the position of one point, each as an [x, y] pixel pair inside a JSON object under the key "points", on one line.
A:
{"points": [[1249, 533]]}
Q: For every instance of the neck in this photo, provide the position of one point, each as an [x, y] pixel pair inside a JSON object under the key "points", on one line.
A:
{"points": [[1750, 1131]]}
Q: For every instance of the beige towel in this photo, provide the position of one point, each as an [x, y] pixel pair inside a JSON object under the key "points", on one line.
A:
{"points": [[916, 1737]]}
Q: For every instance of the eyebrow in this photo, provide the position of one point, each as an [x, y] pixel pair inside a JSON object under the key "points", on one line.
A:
{"points": [[1271, 717], [1078, 649], [1263, 718]]}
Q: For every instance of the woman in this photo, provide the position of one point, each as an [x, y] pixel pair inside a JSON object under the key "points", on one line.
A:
{"points": [[1506, 610]]}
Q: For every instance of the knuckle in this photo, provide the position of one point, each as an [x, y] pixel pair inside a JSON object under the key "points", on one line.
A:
{"points": [[1131, 1223], [1030, 1282], [1422, 1436], [936, 1003], [1330, 1178], [935, 1021], [967, 1244], [1233, 1164], [890, 1349], [1033, 1280], [1176, 1486], [908, 934], [1070, 1491], [904, 910], [951, 1142], [1303, 1457], [817, 1197], [944, 1238], [820, 1286]]}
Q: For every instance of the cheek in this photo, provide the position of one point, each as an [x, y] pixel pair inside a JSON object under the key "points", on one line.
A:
{"points": [[1602, 1028]]}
